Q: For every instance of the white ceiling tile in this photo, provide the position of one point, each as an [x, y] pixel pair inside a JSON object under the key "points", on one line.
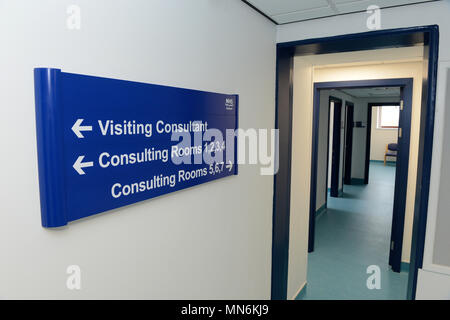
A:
{"points": [[276, 7], [304, 15], [285, 11], [348, 6]]}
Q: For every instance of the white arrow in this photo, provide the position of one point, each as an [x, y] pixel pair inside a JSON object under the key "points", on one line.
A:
{"points": [[79, 165], [229, 165], [77, 128]]}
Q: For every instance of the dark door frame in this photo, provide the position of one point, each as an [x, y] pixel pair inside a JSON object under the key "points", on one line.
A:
{"points": [[370, 105], [330, 99], [401, 175], [335, 152], [428, 36], [348, 151], [406, 85]]}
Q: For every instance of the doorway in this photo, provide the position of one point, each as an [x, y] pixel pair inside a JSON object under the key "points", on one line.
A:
{"points": [[374, 113], [401, 176], [406, 37]]}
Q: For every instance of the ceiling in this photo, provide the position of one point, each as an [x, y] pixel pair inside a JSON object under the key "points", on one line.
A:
{"points": [[373, 92], [286, 11]]}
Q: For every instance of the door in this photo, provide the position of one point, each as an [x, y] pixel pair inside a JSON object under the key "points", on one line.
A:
{"points": [[401, 179], [336, 148], [348, 142]]}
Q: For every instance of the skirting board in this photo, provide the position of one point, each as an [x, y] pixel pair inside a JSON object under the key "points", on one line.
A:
{"points": [[357, 181], [340, 192], [382, 161], [404, 267]]}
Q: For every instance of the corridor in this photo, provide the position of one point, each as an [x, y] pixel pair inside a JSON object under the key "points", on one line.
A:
{"points": [[351, 235]]}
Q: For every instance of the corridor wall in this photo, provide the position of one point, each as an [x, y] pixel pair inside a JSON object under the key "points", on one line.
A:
{"points": [[211, 241]]}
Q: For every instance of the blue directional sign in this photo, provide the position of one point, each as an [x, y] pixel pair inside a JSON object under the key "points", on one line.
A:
{"points": [[106, 143]]}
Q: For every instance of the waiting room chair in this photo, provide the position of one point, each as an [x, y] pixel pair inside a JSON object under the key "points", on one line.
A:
{"points": [[391, 151]]}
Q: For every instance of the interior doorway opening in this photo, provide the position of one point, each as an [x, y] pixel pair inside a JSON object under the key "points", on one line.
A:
{"points": [[366, 223], [289, 195], [382, 133]]}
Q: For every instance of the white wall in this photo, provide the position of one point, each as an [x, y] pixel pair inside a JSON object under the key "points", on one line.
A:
{"points": [[405, 16], [436, 256], [432, 286], [441, 252], [300, 171], [212, 241], [359, 140], [380, 138]]}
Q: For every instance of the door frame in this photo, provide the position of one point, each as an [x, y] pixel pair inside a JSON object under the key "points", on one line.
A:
{"points": [[428, 36], [330, 99], [401, 176], [402, 166], [370, 106], [348, 141], [336, 147], [334, 166]]}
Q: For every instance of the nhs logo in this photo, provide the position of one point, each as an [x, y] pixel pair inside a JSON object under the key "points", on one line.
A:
{"points": [[229, 103]]}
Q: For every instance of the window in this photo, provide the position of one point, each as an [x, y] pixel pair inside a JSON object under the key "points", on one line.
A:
{"points": [[388, 117]]}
